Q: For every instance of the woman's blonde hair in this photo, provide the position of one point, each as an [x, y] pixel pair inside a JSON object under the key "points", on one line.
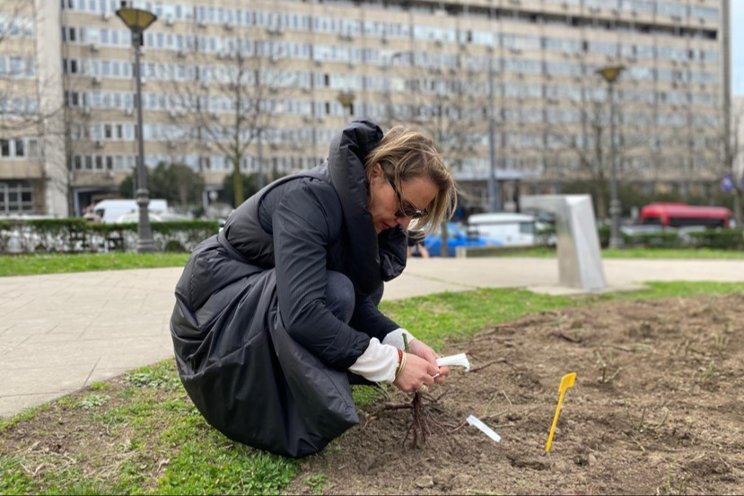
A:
{"points": [[405, 154]]}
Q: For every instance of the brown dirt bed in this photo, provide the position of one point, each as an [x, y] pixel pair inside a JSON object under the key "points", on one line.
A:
{"points": [[656, 408]]}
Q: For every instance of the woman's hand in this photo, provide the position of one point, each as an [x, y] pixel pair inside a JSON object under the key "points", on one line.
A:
{"points": [[416, 373], [421, 349]]}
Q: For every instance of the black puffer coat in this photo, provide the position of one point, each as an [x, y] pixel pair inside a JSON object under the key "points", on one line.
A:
{"points": [[257, 350]]}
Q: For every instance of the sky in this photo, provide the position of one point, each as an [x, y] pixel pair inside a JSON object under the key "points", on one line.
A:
{"points": [[737, 47]]}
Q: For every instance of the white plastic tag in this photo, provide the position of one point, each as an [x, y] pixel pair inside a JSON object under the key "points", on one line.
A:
{"points": [[459, 360], [476, 422]]}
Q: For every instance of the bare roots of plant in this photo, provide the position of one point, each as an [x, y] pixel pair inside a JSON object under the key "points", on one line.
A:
{"points": [[423, 423]]}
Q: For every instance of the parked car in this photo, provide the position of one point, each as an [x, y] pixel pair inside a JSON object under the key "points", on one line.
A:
{"points": [[641, 229], [510, 229], [457, 235], [110, 211], [133, 217]]}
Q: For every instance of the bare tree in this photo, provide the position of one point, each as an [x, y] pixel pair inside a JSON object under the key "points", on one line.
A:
{"points": [[586, 136], [31, 95], [74, 127], [230, 105], [19, 111], [731, 157], [442, 103], [585, 140]]}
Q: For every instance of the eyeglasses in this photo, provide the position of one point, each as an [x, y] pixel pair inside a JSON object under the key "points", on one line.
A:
{"points": [[405, 208]]}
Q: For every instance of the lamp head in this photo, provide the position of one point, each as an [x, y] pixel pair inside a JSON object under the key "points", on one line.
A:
{"points": [[346, 98], [611, 73], [137, 20]]}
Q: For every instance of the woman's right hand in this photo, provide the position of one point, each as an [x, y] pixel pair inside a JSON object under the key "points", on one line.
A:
{"points": [[416, 373]]}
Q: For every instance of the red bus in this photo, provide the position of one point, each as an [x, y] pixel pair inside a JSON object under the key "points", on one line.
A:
{"points": [[682, 215]]}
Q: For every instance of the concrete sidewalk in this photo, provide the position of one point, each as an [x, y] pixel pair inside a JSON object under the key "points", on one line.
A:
{"points": [[60, 332]]}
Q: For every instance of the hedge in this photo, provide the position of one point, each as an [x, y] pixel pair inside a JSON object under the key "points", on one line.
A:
{"points": [[663, 239], [77, 235], [725, 239]]}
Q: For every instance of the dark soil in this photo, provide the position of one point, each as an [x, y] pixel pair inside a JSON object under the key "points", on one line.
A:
{"points": [[656, 408]]}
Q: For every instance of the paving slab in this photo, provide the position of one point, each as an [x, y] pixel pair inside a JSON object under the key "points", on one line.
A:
{"points": [[60, 332]]}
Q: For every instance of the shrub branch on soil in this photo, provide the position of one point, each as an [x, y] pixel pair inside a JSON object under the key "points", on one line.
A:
{"points": [[423, 423]]}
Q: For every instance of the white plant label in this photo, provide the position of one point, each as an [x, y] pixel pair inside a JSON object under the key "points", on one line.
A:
{"points": [[459, 360], [476, 422]]}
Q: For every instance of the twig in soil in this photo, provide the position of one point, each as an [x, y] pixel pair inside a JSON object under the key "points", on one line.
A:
{"points": [[436, 400], [605, 378], [458, 427], [507, 398], [610, 378], [34, 473], [642, 422], [663, 419], [496, 329], [567, 337], [477, 369], [396, 406], [639, 444], [490, 402], [496, 415]]}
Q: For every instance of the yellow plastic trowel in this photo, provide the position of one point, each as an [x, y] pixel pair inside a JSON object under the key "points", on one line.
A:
{"points": [[567, 382]]}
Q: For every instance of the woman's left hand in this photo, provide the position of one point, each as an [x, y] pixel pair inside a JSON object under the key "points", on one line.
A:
{"points": [[421, 349]]}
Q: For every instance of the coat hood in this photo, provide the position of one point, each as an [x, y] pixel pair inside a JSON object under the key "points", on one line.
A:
{"points": [[375, 258]]}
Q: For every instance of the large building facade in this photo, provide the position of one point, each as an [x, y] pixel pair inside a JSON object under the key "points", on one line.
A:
{"points": [[509, 88], [33, 173]]}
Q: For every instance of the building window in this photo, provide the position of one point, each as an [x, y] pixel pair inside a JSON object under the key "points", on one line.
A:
{"points": [[33, 148], [16, 197]]}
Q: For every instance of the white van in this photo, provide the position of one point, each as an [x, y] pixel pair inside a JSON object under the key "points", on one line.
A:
{"points": [[109, 211], [508, 228]]}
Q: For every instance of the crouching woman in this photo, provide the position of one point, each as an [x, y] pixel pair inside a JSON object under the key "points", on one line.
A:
{"points": [[277, 314]]}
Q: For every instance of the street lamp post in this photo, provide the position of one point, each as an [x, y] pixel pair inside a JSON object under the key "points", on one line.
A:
{"points": [[138, 20], [493, 199], [610, 74]]}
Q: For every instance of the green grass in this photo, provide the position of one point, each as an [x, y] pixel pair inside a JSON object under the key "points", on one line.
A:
{"points": [[156, 442], [24, 265], [674, 253], [649, 253], [456, 315], [28, 414]]}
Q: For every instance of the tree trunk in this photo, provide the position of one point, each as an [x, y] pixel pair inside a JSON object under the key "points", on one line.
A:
{"points": [[238, 195], [601, 197]]}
